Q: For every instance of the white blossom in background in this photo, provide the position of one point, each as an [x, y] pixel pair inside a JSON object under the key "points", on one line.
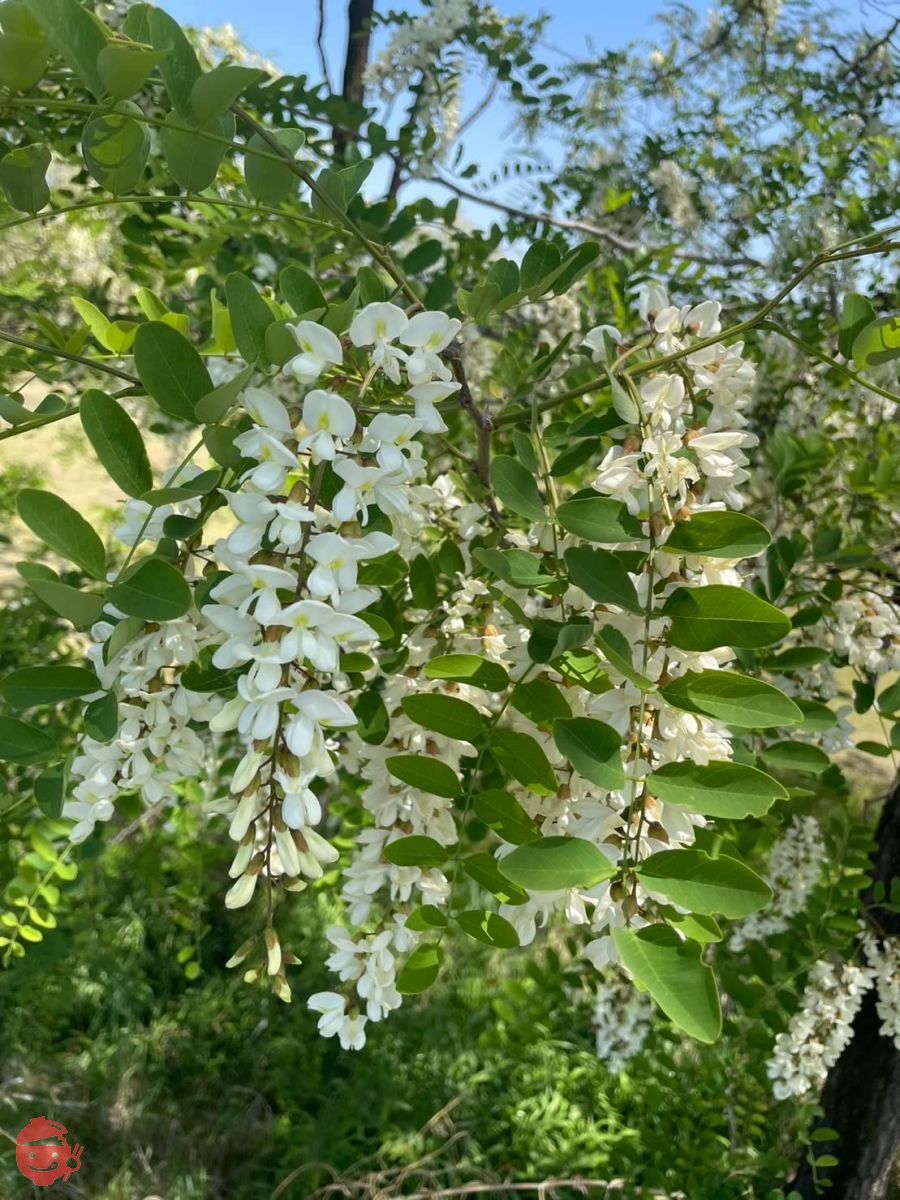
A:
{"points": [[795, 867], [622, 1019]]}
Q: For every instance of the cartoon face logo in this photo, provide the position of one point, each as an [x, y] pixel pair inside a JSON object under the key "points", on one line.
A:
{"points": [[42, 1153]]}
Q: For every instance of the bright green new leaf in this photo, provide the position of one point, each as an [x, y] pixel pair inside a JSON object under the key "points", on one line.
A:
{"points": [[693, 880], [796, 756], [213, 93], [522, 758], [63, 529], [116, 149], [32, 687], [603, 577], [704, 618], [675, 976], [488, 928], [468, 668], [153, 590], [117, 442], [599, 519], [516, 488], [736, 699], [719, 535], [554, 864], [22, 177], [593, 748], [115, 336], [83, 609], [420, 970], [23, 60], [857, 313], [124, 67], [425, 773], [170, 369], [878, 342], [716, 789], [192, 159]]}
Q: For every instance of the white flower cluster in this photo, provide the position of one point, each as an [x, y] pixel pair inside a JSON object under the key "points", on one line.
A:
{"points": [[416, 43], [884, 962], [795, 867], [867, 631], [819, 1030], [622, 1020]]}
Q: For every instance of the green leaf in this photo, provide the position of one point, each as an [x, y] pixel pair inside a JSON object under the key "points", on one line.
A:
{"points": [[468, 668], [301, 291], [101, 718], [124, 66], [550, 639], [554, 864], [516, 488], [202, 676], [797, 658], [698, 926], [483, 869], [63, 529], [31, 687], [271, 182], [616, 649], [420, 970], [856, 315], [540, 701], [737, 700], [425, 773], [220, 400], [117, 442], [817, 717], [674, 975], [599, 519], [540, 260], [180, 68], [623, 402], [878, 342], [425, 918], [693, 880], [416, 851], [719, 535], [704, 618], [522, 758], [518, 567], [488, 928], [213, 94], [525, 451], [50, 792], [423, 582], [81, 608], [193, 160], [76, 35], [116, 149], [372, 721], [717, 789], [250, 317], [796, 756], [445, 714], [593, 748], [154, 590], [506, 816], [21, 743], [22, 177], [171, 370], [889, 699], [115, 336], [340, 186], [23, 60], [603, 577]]}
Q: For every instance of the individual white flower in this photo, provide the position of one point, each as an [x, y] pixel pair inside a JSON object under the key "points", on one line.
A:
{"points": [[379, 325], [330, 420], [274, 459], [595, 340], [315, 711], [319, 350], [266, 410], [428, 334], [391, 437], [425, 396]]}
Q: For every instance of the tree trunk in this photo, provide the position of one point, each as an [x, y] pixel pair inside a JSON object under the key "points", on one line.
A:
{"points": [[359, 27], [861, 1097]]}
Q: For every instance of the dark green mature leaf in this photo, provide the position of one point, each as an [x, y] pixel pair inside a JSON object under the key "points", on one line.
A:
{"points": [[878, 342], [506, 816], [83, 609], [717, 789], [339, 187], [124, 67], [116, 148], [180, 68], [704, 618], [301, 291], [518, 567], [693, 880], [154, 590], [23, 59], [32, 687], [468, 668], [488, 928], [719, 535], [796, 756], [550, 639], [372, 720], [483, 869], [202, 676], [101, 718], [616, 649], [797, 658], [271, 182], [420, 970], [603, 577], [170, 369], [856, 315], [522, 758], [193, 159], [63, 529], [554, 864], [22, 743], [429, 916], [445, 714], [220, 400], [735, 699], [425, 773], [117, 442], [540, 260], [540, 701], [250, 316], [599, 519], [213, 93], [416, 851], [22, 177], [76, 35], [593, 748], [516, 488], [674, 975]]}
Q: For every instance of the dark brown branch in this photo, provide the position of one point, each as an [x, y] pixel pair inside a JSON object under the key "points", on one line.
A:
{"points": [[353, 88], [320, 45]]}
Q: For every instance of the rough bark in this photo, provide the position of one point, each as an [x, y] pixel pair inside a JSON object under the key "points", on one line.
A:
{"points": [[861, 1097], [359, 26]]}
